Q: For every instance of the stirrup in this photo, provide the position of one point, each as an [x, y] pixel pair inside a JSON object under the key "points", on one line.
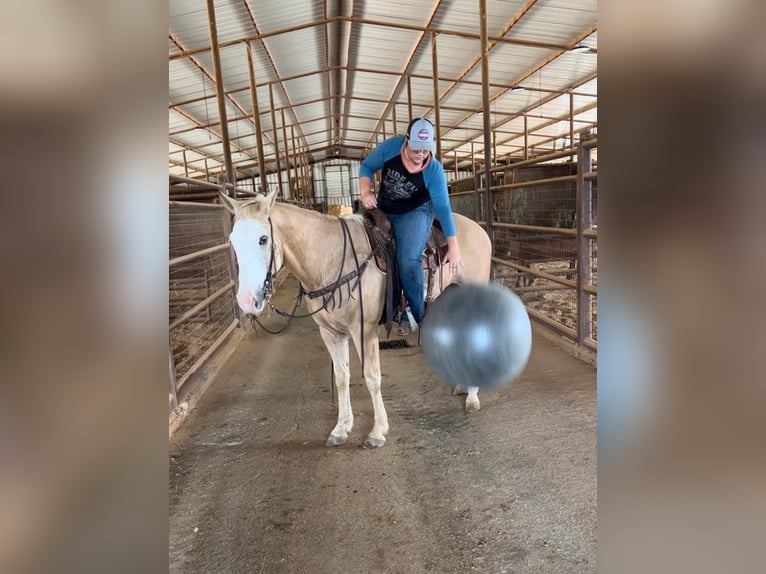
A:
{"points": [[404, 329]]}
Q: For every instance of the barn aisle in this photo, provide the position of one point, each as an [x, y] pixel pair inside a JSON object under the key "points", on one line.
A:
{"points": [[511, 488]]}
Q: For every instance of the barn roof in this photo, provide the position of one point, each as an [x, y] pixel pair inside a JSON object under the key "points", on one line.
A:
{"points": [[336, 76]]}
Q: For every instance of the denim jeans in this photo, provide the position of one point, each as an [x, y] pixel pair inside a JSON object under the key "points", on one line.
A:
{"points": [[410, 233]]}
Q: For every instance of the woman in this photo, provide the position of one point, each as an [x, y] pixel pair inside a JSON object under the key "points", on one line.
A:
{"points": [[413, 188]]}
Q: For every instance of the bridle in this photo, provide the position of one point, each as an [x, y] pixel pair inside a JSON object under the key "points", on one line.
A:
{"points": [[267, 282], [328, 293]]}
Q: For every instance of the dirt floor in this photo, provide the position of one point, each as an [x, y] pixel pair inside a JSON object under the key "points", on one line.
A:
{"points": [[508, 489]]}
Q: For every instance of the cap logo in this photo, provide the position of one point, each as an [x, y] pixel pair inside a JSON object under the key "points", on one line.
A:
{"points": [[424, 135]]}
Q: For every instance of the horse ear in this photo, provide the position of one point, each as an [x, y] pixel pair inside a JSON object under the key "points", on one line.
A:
{"points": [[229, 203], [271, 198]]}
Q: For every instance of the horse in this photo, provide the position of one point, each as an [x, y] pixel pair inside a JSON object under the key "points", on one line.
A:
{"points": [[330, 257]]}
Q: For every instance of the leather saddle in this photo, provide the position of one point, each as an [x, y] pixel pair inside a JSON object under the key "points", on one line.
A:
{"points": [[381, 236]]}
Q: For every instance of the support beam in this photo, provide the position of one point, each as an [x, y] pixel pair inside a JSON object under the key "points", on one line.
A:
{"points": [[393, 117], [276, 139], [287, 156], [526, 138], [229, 176], [409, 98], [437, 117], [256, 119], [295, 191], [487, 134]]}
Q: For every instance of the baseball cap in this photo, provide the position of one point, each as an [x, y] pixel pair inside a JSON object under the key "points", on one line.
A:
{"points": [[420, 135]]}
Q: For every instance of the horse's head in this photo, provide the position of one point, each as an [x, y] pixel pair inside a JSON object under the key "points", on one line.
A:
{"points": [[253, 240]]}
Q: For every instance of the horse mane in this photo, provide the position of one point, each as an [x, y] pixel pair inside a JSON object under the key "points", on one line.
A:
{"points": [[358, 217]]}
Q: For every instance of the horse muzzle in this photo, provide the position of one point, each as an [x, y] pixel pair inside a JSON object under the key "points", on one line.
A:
{"points": [[252, 303]]}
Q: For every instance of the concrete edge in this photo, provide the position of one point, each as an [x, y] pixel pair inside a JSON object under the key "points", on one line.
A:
{"points": [[582, 353], [199, 382]]}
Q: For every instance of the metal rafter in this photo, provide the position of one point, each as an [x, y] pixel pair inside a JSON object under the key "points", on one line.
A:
{"points": [[408, 60], [337, 24], [273, 64]]}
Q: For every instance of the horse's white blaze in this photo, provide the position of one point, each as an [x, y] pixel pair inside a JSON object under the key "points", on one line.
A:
{"points": [[253, 260]]}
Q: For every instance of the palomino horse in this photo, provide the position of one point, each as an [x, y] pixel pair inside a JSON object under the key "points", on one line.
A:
{"points": [[324, 252]]}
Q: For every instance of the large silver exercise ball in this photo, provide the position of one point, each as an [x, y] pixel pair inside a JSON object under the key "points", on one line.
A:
{"points": [[477, 335]]}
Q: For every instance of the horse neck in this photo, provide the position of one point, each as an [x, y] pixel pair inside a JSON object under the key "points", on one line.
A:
{"points": [[312, 244]]}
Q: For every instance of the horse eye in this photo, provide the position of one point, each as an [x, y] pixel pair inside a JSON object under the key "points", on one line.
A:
{"points": [[263, 240]]}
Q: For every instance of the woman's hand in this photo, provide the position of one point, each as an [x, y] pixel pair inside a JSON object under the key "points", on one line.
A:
{"points": [[452, 257], [368, 200], [367, 197]]}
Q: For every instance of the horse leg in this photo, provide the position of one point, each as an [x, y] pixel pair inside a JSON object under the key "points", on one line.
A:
{"points": [[377, 436], [337, 345], [472, 400]]}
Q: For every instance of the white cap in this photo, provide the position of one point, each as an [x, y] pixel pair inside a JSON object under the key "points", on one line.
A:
{"points": [[420, 136]]}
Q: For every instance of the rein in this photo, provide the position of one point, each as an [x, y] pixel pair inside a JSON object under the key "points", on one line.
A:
{"points": [[327, 293]]}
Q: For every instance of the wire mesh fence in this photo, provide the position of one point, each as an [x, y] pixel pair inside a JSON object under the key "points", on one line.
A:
{"points": [[201, 299], [537, 240]]}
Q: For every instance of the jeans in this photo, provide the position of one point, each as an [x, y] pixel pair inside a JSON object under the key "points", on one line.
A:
{"points": [[410, 233]]}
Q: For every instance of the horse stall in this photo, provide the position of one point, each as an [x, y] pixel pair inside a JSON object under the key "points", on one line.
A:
{"points": [[544, 229], [201, 308]]}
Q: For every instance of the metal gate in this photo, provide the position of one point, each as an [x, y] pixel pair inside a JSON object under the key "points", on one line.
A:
{"points": [[201, 307]]}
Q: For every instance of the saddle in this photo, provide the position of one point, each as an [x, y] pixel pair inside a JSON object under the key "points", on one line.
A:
{"points": [[381, 237]]}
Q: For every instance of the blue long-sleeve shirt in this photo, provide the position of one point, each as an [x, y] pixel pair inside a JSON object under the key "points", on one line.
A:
{"points": [[400, 190]]}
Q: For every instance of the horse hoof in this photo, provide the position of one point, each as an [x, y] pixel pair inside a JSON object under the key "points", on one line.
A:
{"points": [[472, 406], [371, 442], [336, 440]]}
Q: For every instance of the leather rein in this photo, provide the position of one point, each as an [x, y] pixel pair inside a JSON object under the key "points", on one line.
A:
{"points": [[327, 292]]}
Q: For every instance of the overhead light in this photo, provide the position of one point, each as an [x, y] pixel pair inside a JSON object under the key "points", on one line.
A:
{"points": [[580, 49], [517, 88]]}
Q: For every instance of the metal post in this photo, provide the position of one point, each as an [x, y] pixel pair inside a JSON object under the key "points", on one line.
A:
{"points": [[477, 189], [571, 120], [457, 172], [437, 117], [409, 98], [487, 133], [276, 138], [287, 155], [229, 176], [172, 380], [526, 138], [296, 165], [584, 222], [256, 121], [393, 116]]}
